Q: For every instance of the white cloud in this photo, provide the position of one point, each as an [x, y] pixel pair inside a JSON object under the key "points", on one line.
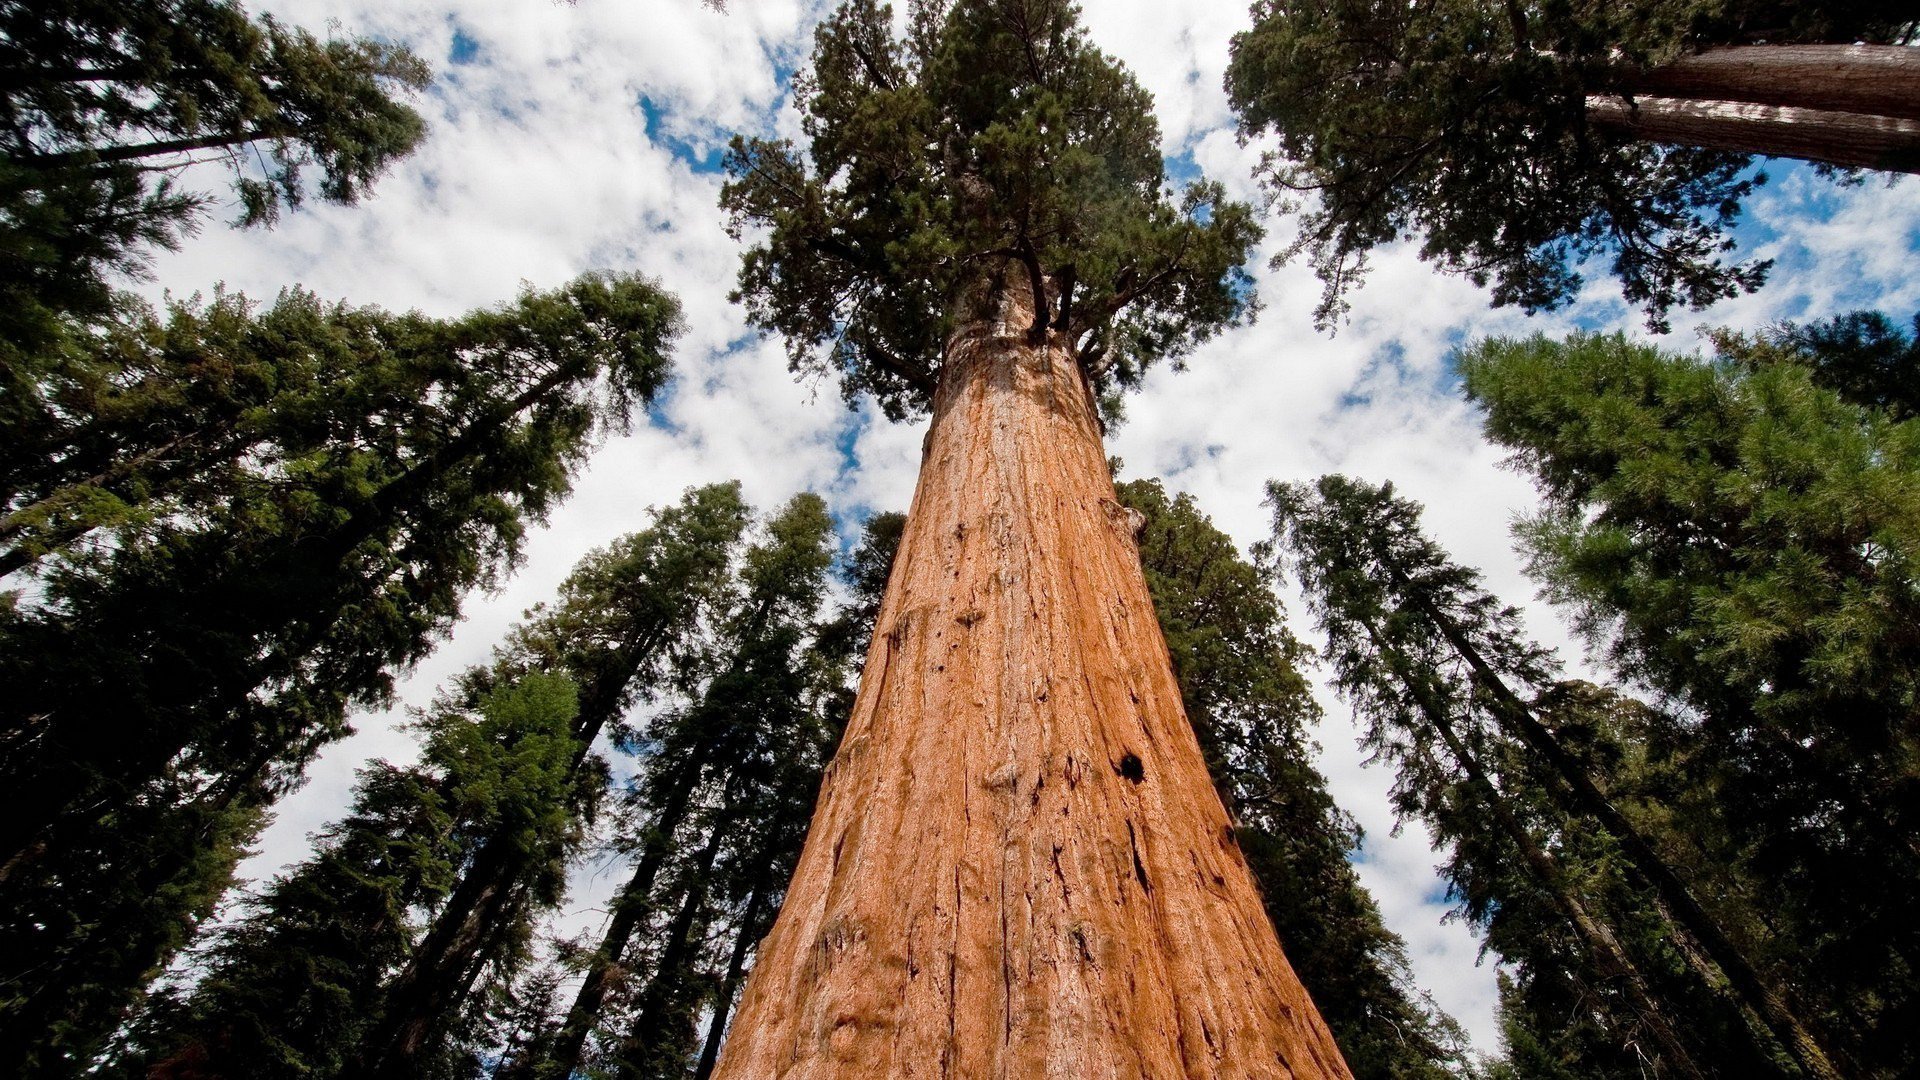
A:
{"points": [[540, 165]]}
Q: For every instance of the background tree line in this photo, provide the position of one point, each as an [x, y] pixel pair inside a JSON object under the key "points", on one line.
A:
{"points": [[1706, 869], [671, 711]]}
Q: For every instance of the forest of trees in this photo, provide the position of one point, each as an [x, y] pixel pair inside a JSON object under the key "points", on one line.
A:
{"points": [[1021, 781]]}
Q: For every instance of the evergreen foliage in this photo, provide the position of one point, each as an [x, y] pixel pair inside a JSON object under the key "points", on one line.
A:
{"points": [[1438, 668], [481, 831], [1240, 682], [165, 685], [1863, 356], [625, 619], [291, 987], [104, 102], [1743, 539], [993, 133], [719, 809], [1464, 122]]}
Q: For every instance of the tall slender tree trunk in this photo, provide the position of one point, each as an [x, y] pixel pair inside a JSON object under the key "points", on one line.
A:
{"points": [[1609, 956], [744, 936], [1018, 866], [634, 903], [1582, 798], [1856, 106], [425, 995], [663, 1011]]}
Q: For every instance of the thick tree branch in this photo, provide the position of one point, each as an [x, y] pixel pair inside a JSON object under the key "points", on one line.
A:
{"points": [[1872, 80], [67, 159], [1849, 140], [1037, 331]]}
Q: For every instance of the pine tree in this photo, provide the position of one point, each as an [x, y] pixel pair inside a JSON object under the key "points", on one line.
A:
{"points": [[1518, 138], [1863, 356], [498, 808], [163, 689], [1742, 539], [754, 881], [1017, 864], [291, 985], [1240, 680], [712, 778]]}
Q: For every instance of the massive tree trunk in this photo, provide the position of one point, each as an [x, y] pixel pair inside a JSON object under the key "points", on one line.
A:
{"points": [[1018, 866], [1856, 106]]}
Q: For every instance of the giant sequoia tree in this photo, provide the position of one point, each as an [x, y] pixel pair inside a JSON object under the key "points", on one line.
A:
{"points": [[1017, 863], [1514, 138]]}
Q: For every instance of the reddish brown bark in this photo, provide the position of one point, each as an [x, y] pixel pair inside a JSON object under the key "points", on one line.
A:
{"points": [[1018, 866], [1849, 140], [1877, 80], [1856, 106]]}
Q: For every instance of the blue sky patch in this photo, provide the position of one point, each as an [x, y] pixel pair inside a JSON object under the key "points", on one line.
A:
{"points": [[464, 50], [701, 159]]}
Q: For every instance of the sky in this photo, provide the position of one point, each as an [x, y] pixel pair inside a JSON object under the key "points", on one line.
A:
{"points": [[570, 137]]}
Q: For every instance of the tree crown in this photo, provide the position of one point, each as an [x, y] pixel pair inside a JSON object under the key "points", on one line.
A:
{"points": [[992, 133]]}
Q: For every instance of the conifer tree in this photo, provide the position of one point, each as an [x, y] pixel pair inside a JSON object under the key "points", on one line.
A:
{"points": [[1018, 864], [1239, 672], [164, 688], [1516, 138], [713, 774], [105, 102], [1742, 538], [1863, 356], [1444, 676], [291, 985], [754, 881], [625, 619], [460, 821]]}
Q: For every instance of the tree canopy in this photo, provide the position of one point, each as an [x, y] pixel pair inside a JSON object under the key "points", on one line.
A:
{"points": [[992, 133], [356, 478], [294, 984], [1464, 123], [104, 103], [1515, 771]]}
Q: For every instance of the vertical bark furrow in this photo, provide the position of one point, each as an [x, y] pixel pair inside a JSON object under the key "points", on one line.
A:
{"points": [[1019, 804]]}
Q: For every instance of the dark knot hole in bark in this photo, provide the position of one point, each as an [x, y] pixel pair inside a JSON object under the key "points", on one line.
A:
{"points": [[1131, 768]]}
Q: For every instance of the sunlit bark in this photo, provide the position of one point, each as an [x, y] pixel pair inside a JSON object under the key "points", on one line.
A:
{"points": [[1018, 866]]}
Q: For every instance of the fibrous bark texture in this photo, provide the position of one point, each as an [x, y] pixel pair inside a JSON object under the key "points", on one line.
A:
{"points": [[1849, 140], [1018, 866], [1875, 80], [1856, 106]]}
